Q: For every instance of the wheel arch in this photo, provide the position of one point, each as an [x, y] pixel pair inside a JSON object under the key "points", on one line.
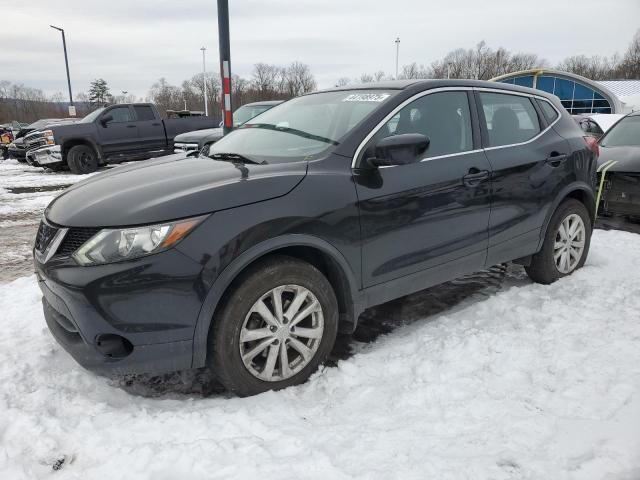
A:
{"points": [[72, 142], [313, 250], [580, 191]]}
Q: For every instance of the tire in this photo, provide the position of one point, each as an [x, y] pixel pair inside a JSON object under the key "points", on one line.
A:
{"points": [[238, 316], [545, 268], [82, 159]]}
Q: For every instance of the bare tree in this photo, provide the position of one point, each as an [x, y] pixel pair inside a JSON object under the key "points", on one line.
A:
{"points": [[265, 78], [300, 80]]}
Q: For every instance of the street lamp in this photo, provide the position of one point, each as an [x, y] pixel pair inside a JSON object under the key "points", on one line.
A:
{"points": [[72, 110], [204, 81], [397, 54]]}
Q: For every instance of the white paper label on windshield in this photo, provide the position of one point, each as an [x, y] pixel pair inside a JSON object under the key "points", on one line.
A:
{"points": [[366, 97]]}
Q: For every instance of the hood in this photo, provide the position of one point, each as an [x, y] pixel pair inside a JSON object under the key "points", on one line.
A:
{"points": [[170, 188], [627, 158], [198, 135]]}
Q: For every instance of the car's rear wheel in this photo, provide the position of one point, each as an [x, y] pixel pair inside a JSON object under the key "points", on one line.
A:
{"points": [[82, 159], [566, 244], [278, 324]]}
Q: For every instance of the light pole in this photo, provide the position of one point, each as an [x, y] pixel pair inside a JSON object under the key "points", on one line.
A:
{"points": [[204, 82], [72, 110], [397, 54]]}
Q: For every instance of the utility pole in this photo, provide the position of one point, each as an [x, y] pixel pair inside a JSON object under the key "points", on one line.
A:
{"points": [[204, 81], [225, 64], [397, 54], [72, 109]]}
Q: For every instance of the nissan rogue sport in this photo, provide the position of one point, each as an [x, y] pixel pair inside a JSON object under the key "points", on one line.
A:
{"points": [[251, 259]]}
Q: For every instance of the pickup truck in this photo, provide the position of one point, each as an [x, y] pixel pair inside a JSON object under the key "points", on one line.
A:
{"points": [[110, 134]]}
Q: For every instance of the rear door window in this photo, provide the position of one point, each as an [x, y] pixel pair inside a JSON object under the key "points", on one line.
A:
{"points": [[144, 112], [510, 119]]}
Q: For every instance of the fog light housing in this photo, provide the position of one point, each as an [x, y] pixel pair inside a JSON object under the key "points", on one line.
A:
{"points": [[113, 346]]}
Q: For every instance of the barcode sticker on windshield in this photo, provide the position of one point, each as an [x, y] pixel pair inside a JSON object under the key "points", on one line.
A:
{"points": [[366, 97]]}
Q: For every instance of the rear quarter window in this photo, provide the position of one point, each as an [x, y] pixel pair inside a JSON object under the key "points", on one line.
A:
{"points": [[548, 111]]}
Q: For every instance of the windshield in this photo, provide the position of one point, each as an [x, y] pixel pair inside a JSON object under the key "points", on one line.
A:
{"points": [[625, 133], [92, 116], [305, 127], [247, 112]]}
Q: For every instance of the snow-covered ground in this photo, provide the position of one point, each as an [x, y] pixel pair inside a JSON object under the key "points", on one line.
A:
{"points": [[26, 189], [528, 382], [24, 193]]}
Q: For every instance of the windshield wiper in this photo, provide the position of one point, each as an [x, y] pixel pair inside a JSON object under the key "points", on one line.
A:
{"points": [[235, 158], [293, 131]]}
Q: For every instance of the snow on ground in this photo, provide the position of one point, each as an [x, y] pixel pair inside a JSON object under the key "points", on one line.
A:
{"points": [[29, 189], [25, 191], [531, 382]]}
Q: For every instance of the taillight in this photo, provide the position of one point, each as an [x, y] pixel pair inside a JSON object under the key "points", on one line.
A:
{"points": [[592, 143]]}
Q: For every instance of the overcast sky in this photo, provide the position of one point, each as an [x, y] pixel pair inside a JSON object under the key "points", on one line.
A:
{"points": [[132, 43]]}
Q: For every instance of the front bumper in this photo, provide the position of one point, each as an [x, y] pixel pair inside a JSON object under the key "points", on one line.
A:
{"points": [[129, 317], [45, 156]]}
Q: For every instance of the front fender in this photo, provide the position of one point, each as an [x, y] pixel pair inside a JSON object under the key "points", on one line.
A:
{"points": [[69, 142], [238, 265]]}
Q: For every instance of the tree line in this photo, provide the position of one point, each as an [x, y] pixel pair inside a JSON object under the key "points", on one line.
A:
{"points": [[278, 82], [484, 63]]}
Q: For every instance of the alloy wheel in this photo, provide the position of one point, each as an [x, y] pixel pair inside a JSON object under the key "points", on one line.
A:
{"points": [[569, 244], [281, 333]]}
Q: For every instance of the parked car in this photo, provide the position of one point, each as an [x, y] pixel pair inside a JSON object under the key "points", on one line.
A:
{"points": [[596, 124], [109, 135], [251, 259], [196, 141], [619, 168], [17, 148], [6, 138]]}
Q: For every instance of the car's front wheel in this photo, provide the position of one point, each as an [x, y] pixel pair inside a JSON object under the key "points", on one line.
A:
{"points": [[82, 159], [565, 246], [277, 325]]}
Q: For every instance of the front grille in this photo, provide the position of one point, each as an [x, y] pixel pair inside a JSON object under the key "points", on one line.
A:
{"points": [[74, 239], [35, 143], [44, 236]]}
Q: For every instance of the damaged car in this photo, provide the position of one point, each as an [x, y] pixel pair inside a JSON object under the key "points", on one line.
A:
{"points": [[619, 168]]}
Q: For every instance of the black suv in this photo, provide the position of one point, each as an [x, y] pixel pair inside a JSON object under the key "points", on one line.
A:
{"points": [[251, 259]]}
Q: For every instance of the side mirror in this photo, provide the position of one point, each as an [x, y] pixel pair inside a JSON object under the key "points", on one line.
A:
{"points": [[399, 150], [106, 119]]}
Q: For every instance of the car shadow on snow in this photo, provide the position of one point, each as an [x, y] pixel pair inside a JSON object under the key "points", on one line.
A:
{"points": [[374, 322]]}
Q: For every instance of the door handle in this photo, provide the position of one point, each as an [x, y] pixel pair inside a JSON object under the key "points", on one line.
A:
{"points": [[555, 159], [131, 126], [155, 124], [475, 177]]}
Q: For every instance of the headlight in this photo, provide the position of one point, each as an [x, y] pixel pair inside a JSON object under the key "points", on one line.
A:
{"points": [[48, 136], [115, 245]]}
